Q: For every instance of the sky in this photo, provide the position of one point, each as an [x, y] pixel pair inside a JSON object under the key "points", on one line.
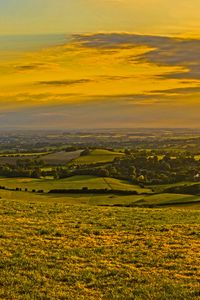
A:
{"points": [[99, 64]]}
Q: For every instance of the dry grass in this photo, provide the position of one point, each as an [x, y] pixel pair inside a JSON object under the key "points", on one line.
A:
{"points": [[53, 250]]}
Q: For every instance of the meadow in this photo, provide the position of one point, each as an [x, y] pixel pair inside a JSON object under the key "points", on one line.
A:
{"points": [[74, 182], [72, 248]]}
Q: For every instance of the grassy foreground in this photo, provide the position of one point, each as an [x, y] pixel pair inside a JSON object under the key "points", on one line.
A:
{"points": [[52, 250]]}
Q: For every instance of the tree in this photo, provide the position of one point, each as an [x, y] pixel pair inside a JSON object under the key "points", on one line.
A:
{"points": [[141, 178], [127, 151], [104, 173], [132, 171]]}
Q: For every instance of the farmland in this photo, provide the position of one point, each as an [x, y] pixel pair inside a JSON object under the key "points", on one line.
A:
{"points": [[60, 158], [75, 182], [55, 158], [12, 160], [98, 156]]}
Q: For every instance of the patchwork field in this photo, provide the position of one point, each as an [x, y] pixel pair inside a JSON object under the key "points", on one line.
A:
{"points": [[54, 248], [162, 187], [75, 182], [160, 200], [12, 160], [98, 156], [60, 158]]}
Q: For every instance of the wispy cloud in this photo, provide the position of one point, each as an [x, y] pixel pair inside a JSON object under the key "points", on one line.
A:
{"points": [[179, 91], [106, 79], [33, 67], [164, 51], [64, 82]]}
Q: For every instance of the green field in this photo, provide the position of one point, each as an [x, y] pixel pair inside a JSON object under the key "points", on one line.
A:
{"points": [[140, 200], [168, 200], [75, 182], [98, 156], [62, 248], [162, 187], [145, 197]]}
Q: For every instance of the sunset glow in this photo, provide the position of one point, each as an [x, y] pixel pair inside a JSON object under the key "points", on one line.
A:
{"points": [[109, 64]]}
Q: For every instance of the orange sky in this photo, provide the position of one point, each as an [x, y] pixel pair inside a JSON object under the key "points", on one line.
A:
{"points": [[121, 76]]}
